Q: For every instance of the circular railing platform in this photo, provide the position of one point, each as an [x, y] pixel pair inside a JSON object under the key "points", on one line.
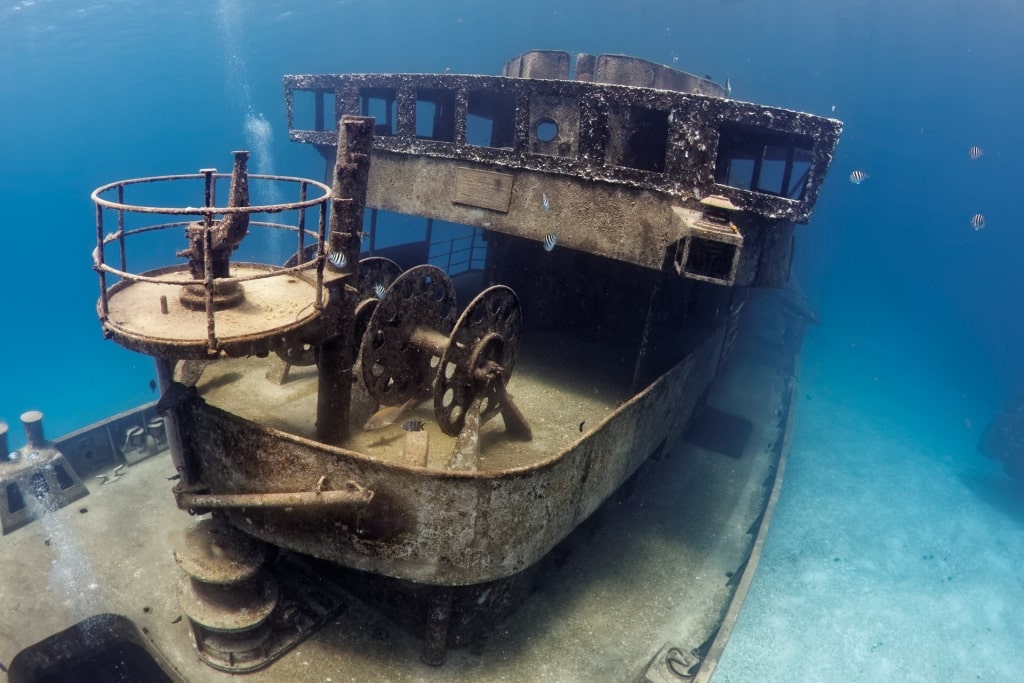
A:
{"points": [[168, 312]]}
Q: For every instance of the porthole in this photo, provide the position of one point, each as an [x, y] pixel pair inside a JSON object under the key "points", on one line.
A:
{"points": [[546, 129]]}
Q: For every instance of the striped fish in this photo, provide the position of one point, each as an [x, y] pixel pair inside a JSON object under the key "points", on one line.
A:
{"points": [[338, 260], [977, 221], [858, 177], [550, 241], [380, 290], [413, 425], [974, 152]]}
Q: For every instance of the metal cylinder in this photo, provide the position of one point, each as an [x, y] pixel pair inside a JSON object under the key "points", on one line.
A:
{"points": [[156, 429], [32, 420], [135, 438]]}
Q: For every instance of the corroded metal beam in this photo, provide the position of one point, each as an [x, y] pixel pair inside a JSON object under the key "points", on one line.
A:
{"points": [[337, 355]]}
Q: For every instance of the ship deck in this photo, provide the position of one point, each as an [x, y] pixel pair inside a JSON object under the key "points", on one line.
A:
{"points": [[664, 555], [564, 387]]}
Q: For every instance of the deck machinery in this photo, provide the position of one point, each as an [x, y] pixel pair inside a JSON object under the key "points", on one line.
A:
{"points": [[618, 210]]}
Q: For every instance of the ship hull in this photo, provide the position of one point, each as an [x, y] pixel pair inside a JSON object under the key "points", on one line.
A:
{"points": [[433, 526]]}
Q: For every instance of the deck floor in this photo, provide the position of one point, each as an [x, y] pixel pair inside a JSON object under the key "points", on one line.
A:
{"points": [[563, 395]]}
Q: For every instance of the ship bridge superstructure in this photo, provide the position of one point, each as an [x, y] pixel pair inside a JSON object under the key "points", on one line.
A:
{"points": [[615, 161]]}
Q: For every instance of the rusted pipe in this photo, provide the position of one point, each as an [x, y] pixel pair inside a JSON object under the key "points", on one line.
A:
{"points": [[337, 355], [353, 494]]}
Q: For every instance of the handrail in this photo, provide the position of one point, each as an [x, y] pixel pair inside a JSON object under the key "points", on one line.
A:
{"points": [[205, 215]]}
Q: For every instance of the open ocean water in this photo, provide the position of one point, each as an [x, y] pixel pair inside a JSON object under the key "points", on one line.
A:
{"points": [[921, 334]]}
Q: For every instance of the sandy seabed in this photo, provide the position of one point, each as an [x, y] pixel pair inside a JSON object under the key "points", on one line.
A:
{"points": [[894, 555]]}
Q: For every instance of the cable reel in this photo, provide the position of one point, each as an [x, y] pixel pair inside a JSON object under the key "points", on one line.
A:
{"points": [[413, 347]]}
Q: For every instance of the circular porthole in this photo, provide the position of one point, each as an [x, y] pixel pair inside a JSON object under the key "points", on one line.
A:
{"points": [[546, 129]]}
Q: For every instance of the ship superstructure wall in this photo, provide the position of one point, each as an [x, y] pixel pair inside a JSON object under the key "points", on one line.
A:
{"points": [[599, 165]]}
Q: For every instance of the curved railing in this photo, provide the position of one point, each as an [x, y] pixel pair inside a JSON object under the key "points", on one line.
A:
{"points": [[207, 214]]}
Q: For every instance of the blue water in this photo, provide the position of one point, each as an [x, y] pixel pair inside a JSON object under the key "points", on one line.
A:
{"points": [[922, 313], [96, 92]]}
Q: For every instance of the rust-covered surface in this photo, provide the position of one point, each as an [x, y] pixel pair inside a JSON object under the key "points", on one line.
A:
{"points": [[622, 211], [602, 165], [432, 526], [590, 118], [692, 126], [169, 311]]}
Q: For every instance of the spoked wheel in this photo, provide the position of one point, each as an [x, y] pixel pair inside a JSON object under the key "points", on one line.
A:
{"points": [[406, 334], [479, 359]]}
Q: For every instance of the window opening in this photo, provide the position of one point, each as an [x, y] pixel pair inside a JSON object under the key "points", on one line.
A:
{"points": [[15, 501], [380, 104], [638, 138], [435, 114], [762, 160], [490, 119], [314, 110]]}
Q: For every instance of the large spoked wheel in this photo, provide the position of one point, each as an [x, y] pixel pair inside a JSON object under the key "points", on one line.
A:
{"points": [[373, 271], [420, 303], [376, 274], [479, 359]]}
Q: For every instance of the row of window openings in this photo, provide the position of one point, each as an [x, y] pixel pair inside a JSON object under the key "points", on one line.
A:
{"points": [[749, 158]]}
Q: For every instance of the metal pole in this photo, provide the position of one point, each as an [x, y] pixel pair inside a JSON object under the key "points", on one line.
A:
{"points": [[338, 354]]}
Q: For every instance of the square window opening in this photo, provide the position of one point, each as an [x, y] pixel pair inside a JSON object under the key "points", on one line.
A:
{"points": [[380, 104], [435, 115], [638, 138], [710, 259], [490, 119], [314, 110], [763, 160]]}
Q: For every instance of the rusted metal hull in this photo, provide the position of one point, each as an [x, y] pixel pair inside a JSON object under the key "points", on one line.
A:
{"points": [[432, 526]]}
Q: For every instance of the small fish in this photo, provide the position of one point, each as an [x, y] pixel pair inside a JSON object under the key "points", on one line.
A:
{"points": [[388, 415], [581, 426], [975, 152], [152, 385], [380, 290], [977, 221], [728, 88], [413, 425], [858, 177], [544, 202], [338, 260], [550, 241]]}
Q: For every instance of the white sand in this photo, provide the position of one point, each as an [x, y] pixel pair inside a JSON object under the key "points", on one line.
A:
{"points": [[896, 550]]}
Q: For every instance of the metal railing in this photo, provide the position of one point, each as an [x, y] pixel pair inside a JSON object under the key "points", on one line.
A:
{"points": [[207, 215], [459, 254]]}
